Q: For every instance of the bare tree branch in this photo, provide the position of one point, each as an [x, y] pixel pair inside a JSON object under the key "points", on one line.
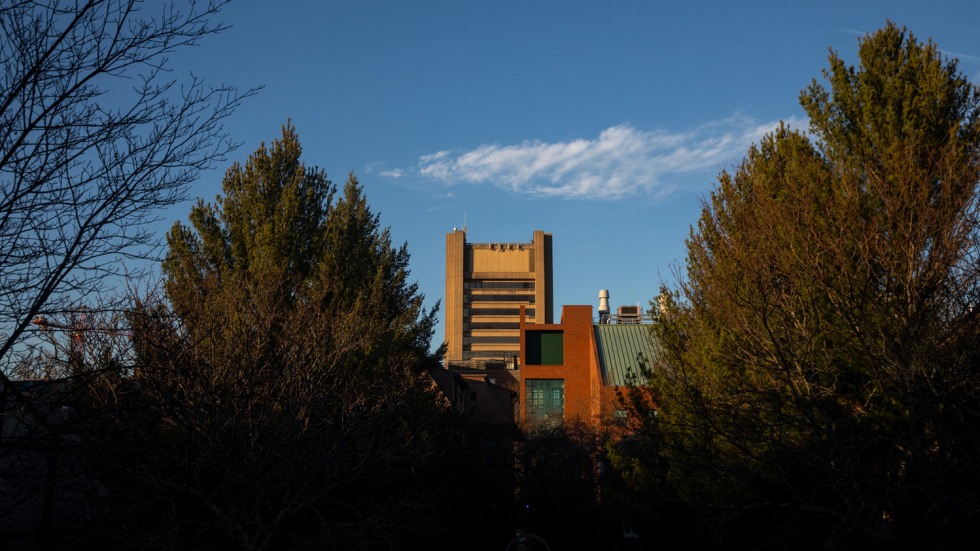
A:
{"points": [[96, 136]]}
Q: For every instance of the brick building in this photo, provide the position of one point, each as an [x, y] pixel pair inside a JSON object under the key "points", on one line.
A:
{"points": [[574, 368]]}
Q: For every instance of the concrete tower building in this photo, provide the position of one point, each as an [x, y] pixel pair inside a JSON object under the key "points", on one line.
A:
{"points": [[486, 284]]}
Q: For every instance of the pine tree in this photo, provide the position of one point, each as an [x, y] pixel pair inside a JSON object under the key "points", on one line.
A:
{"points": [[820, 376], [288, 405]]}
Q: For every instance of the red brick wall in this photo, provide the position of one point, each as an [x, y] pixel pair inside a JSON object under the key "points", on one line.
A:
{"points": [[585, 395], [580, 370]]}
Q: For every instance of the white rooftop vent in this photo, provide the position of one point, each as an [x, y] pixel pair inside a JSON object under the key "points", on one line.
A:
{"points": [[603, 306], [603, 301]]}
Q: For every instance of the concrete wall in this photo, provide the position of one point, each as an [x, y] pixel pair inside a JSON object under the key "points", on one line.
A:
{"points": [[486, 283]]}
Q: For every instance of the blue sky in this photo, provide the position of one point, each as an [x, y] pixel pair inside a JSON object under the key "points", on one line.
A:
{"points": [[604, 123]]}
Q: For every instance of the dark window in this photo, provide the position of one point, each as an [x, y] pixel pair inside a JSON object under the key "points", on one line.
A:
{"points": [[491, 340], [497, 311], [545, 347], [499, 354], [498, 285], [498, 298], [492, 325]]}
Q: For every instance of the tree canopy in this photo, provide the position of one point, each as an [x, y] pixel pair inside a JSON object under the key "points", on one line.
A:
{"points": [[820, 376], [285, 403]]}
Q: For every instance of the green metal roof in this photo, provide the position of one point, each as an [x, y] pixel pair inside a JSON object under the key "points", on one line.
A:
{"points": [[621, 347]]}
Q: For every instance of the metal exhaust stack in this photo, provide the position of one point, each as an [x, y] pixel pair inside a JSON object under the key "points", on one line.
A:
{"points": [[603, 306]]}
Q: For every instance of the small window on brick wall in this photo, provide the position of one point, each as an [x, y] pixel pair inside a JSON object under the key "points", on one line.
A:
{"points": [[545, 347]]}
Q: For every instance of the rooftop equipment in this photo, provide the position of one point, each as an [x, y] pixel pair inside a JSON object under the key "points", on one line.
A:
{"points": [[603, 306], [629, 314]]}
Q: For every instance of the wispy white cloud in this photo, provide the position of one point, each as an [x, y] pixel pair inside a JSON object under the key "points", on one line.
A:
{"points": [[393, 173], [855, 32], [621, 161], [969, 64], [962, 57]]}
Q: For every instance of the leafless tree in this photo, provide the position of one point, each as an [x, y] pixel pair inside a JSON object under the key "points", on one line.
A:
{"points": [[48, 488], [96, 135]]}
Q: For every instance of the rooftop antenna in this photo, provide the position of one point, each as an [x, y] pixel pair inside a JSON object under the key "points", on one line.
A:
{"points": [[464, 221]]}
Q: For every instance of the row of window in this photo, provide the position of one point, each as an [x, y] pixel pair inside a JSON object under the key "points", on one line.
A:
{"points": [[499, 298], [492, 340], [492, 325], [496, 354], [498, 285], [468, 312]]}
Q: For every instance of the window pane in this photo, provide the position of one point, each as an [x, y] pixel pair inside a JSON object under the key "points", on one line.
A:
{"points": [[545, 347], [546, 401]]}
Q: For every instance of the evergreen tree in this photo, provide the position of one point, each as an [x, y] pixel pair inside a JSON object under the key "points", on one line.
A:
{"points": [[282, 400], [819, 381]]}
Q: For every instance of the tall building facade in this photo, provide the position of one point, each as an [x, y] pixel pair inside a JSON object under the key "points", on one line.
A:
{"points": [[486, 285]]}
